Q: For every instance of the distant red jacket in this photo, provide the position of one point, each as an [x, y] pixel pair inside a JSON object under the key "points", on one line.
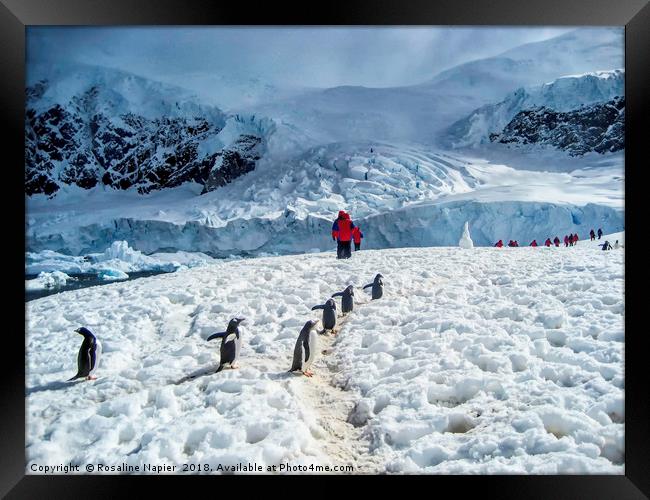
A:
{"points": [[556, 241], [357, 234], [533, 243], [566, 240], [548, 242], [342, 227], [575, 238], [499, 244]]}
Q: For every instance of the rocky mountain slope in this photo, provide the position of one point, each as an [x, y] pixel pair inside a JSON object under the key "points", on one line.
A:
{"points": [[598, 128], [97, 126]]}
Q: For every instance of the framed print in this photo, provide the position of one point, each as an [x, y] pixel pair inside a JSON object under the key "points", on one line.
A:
{"points": [[361, 240]]}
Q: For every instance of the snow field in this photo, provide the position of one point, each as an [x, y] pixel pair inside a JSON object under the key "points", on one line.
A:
{"points": [[492, 362], [474, 361]]}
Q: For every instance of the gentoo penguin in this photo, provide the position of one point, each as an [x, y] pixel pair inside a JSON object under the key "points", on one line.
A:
{"points": [[377, 287], [89, 354], [230, 343], [329, 313], [347, 299], [306, 348]]}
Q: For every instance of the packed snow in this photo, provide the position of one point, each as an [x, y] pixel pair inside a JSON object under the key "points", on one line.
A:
{"points": [[484, 361]]}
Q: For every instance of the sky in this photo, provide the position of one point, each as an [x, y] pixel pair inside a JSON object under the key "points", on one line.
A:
{"points": [[283, 57]]}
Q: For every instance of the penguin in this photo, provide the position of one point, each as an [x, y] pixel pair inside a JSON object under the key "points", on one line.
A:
{"points": [[377, 287], [306, 348], [89, 354], [347, 299], [329, 314], [230, 343]]}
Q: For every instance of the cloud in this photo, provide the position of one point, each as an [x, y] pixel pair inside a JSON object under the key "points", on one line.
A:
{"points": [[296, 56]]}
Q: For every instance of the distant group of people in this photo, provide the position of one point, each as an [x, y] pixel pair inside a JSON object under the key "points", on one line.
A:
{"points": [[344, 232], [569, 241], [592, 235]]}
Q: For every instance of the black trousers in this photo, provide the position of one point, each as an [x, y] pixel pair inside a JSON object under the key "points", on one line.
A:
{"points": [[357, 247], [343, 249]]}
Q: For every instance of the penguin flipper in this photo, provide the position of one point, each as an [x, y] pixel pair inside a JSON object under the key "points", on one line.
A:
{"points": [[338, 294], [216, 335], [318, 307], [306, 352], [367, 286]]}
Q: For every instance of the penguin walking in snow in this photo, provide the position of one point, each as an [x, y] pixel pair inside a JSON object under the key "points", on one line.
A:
{"points": [[329, 314], [306, 348], [230, 343], [89, 354], [377, 287], [347, 299]]}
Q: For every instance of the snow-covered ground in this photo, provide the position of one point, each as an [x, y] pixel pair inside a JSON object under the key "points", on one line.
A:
{"points": [[474, 361]]}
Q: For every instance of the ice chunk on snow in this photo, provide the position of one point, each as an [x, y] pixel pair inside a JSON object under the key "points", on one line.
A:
{"points": [[113, 274], [465, 239], [48, 280]]}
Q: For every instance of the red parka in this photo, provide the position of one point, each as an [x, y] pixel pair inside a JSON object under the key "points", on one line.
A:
{"points": [[533, 243], [357, 234], [499, 244], [548, 242], [342, 227]]}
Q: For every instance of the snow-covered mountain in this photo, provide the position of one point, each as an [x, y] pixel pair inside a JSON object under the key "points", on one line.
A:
{"points": [[563, 94], [90, 126], [421, 112], [400, 195], [271, 177], [597, 128]]}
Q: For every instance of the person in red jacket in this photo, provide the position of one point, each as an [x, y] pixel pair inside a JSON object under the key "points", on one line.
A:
{"points": [[499, 244], [575, 239], [556, 241], [548, 242], [342, 234], [356, 236], [533, 243]]}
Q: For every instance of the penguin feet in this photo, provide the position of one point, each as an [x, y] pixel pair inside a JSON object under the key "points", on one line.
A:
{"points": [[234, 367], [307, 373], [91, 377]]}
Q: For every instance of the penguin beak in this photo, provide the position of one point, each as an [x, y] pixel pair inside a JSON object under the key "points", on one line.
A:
{"points": [[78, 330]]}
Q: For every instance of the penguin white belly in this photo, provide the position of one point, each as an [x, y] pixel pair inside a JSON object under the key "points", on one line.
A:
{"points": [[233, 343], [238, 345], [98, 354]]}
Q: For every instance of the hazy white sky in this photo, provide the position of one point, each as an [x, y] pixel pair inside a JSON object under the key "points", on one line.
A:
{"points": [[312, 57]]}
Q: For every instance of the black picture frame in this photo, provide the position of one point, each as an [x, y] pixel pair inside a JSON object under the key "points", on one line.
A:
{"points": [[15, 15]]}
